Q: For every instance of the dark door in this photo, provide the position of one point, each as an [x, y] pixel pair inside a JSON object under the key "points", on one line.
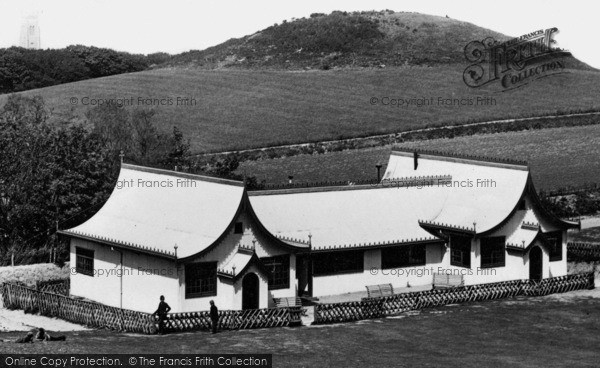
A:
{"points": [[250, 290], [302, 264], [535, 264]]}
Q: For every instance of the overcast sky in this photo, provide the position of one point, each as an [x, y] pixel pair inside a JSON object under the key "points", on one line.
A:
{"points": [[179, 25]]}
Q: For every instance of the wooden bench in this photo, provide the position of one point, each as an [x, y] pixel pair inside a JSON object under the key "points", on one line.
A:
{"points": [[376, 291], [292, 301], [444, 281]]}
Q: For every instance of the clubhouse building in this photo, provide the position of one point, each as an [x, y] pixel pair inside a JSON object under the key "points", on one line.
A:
{"points": [[194, 238]]}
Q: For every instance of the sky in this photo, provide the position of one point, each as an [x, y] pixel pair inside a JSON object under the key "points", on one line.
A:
{"points": [[175, 26]]}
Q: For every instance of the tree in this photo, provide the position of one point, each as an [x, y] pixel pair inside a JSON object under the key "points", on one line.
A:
{"points": [[49, 173], [111, 124]]}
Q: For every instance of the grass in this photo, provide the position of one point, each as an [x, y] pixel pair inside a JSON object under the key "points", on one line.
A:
{"points": [[557, 157], [237, 109], [339, 39], [523, 332]]}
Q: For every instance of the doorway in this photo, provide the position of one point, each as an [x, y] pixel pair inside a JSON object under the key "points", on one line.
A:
{"points": [[536, 264], [250, 291]]}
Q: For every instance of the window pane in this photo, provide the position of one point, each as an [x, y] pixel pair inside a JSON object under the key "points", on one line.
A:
{"points": [[460, 251], [493, 252], [554, 240], [200, 279], [403, 256], [279, 268], [239, 228], [338, 262], [84, 261]]}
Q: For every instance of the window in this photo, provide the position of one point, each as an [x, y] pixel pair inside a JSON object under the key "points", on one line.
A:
{"points": [[332, 263], [84, 261], [460, 251], [404, 256], [239, 228], [554, 240], [493, 252], [279, 268], [200, 279]]}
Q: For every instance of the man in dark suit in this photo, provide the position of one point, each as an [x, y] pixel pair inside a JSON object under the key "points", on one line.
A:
{"points": [[163, 309], [214, 317]]}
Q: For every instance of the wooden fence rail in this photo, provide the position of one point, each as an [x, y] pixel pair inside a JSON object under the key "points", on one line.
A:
{"points": [[234, 320], [392, 305], [74, 310], [58, 286], [583, 252], [102, 316]]}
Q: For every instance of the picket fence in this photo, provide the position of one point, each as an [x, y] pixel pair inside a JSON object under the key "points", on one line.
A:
{"points": [[369, 308], [98, 315]]}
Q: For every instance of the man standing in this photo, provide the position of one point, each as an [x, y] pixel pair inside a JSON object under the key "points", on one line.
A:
{"points": [[163, 309], [214, 316]]}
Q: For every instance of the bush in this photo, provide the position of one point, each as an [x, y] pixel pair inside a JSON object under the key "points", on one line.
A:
{"points": [[30, 274]]}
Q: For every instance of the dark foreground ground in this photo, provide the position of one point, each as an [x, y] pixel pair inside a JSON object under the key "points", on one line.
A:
{"points": [[555, 331]]}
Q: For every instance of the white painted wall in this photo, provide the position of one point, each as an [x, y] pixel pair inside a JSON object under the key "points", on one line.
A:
{"points": [[262, 288], [517, 263], [144, 279], [229, 295]]}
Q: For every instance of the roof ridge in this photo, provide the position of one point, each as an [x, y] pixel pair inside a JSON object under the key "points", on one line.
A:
{"points": [[180, 174], [324, 186], [456, 155]]}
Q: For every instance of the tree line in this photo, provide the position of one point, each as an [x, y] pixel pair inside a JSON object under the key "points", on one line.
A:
{"points": [[24, 69], [57, 174]]}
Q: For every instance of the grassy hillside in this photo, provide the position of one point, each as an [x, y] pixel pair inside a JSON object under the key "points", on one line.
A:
{"points": [[237, 109], [326, 77], [557, 157], [343, 39]]}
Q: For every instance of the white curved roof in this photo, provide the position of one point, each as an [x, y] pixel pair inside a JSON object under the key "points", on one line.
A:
{"points": [[358, 217], [156, 209], [484, 193], [348, 217]]}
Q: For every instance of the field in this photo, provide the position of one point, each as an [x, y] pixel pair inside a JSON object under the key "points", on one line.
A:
{"points": [[234, 109], [557, 157], [554, 331]]}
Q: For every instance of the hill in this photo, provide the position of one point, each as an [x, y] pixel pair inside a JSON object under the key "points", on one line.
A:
{"points": [[342, 39], [313, 79], [235, 109]]}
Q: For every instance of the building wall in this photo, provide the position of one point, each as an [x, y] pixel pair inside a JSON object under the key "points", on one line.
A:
{"points": [[516, 263], [374, 275], [228, 294], [263, 286], [144, 278]]}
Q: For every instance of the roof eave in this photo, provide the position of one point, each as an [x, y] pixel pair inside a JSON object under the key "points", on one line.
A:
{"points": [[336, 248], [117, 244], [560, 223]]}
